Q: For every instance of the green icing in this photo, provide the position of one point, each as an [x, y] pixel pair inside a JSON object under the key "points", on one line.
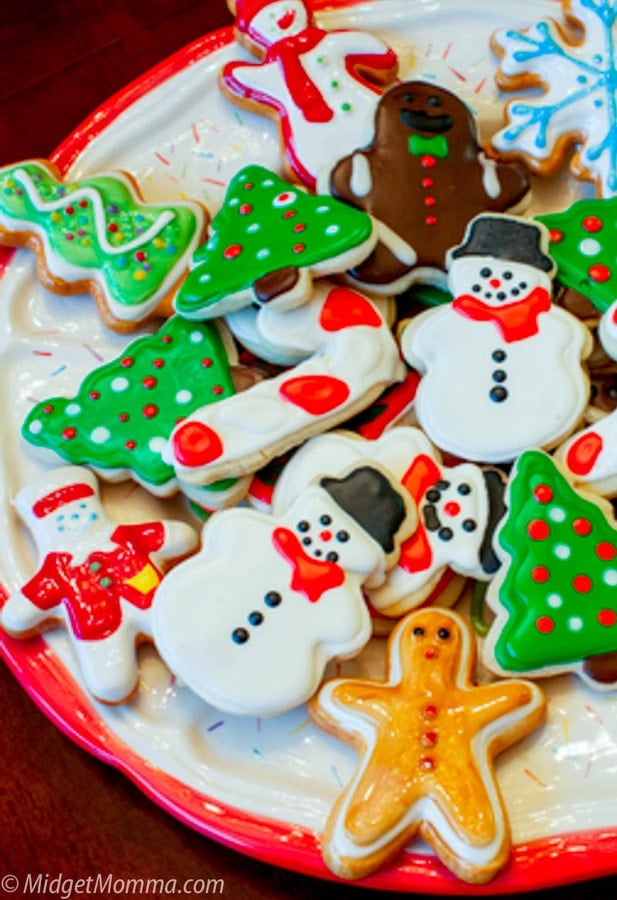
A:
{"points": [[265, 225], [560, 589], [126, 409], [98, 224], [583, 243]]}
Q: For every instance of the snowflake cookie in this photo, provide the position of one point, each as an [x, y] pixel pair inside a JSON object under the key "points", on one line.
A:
{"points": [[575, 66]]}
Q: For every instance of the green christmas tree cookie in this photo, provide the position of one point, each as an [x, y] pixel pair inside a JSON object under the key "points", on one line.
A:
{"points": [[267, 242], [555, 597], [98, 235], [124, 411]]}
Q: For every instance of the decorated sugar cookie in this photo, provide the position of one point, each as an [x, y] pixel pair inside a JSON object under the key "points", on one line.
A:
{"points": [[267, 243], [120, 420], [351, 358], [98, 235], [502, 365], [250, 622], [320, 86], [95, 577], [458, 509], [422, 177], [426, 738], [574, 66], [555, 596]]}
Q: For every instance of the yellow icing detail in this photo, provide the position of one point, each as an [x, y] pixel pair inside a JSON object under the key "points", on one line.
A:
{"points": [[159, 243], [118, 237], [55, 217], [140, 275], [145, 580]]}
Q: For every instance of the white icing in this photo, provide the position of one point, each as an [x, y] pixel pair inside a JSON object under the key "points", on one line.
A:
{"points": [[490, 179], [361, 181]]}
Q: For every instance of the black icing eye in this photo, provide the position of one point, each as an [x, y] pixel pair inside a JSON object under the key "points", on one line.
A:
{"points": [[486, 272], [325, 520], [418, 631], [255, 618], [342, 536], [408, 98], [501, 295], [443, 633], [522, 285], [239, 635], [307, 541], [272, 599], [464, 489], [332, 556], [433, 100], [507, 275], [304, 525], [317, 552], [476, 287]]}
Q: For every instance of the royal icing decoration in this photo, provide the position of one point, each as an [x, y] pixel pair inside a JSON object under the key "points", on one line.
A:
{"points": [[575, 68], [590, 456], [501, 364], [267, 242], [322, 86], [95, 577], [97, 234], [352, 357], [458, 508], [422, 178], [555, 597], [120, 419], [250, 622], [426, 738]]}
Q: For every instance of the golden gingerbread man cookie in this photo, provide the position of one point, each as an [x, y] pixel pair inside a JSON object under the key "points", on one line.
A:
{"points": [[426, 739]]}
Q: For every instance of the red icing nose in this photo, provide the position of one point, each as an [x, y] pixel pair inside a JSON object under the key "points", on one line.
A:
{"points": [[196, 444], [431, 653], [452, 508], [495, 282], [325, 535]]}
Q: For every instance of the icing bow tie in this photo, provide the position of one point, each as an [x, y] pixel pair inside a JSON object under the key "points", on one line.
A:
{"points": [[431, 146]]}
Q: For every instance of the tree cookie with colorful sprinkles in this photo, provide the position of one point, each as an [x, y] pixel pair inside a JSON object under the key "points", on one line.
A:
{"points": [[555, 596], [98, 235], [121, 417], [267, 243]]}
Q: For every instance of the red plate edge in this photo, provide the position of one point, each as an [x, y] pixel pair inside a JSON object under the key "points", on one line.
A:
{"points": [[544, 863]]}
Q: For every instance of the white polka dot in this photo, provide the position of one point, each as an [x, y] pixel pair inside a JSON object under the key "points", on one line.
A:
{"points": [[204, 277], [575, 623], [35, 427], [233, 202], [333, 229], [562, 551], [284, 199], [253, 227], [73, 409], [119, 384], [100, 435], [323, 209], [610, 577], [184, 396], [196, 337], [554, 600], [557, 514], [590, 247], [267, 182], [262, 254], [157, 444]]}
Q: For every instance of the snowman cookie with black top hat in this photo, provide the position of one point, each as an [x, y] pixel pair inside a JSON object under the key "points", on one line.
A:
{"points": [[250, 622], [503, 367]]}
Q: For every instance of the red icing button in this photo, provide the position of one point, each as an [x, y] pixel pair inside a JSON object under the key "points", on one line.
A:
{"points": [[427, 764], [607, 617], [606, 551], [582, 527], [556, 236], [245, 209], [543, 493], [232, 251], [69, 433], [149, 382], [427, 161], [430, 711], [592, 223], [316, 394], [583, 453], [431, 220], [540, 574], [545, 624], [196, 444], [582, 584], [346, 309], [599, 273], [428, 739], [538, 530], [150, 411]]}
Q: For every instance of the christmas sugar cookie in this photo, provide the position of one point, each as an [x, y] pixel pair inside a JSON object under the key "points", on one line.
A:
{"points": [[502, 365], [320, 86], [267, 243], [458, 509], [426, 738], [250, 622], [98, 235], [422, 177], [555, 597], [574, 66], [95, 577], [351, 358], [119, 421]]}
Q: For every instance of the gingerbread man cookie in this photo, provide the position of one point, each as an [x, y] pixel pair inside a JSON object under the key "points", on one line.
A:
{"points": [[321, 86], [98, 235], [426, 738], [95, 577], [423, 177]]}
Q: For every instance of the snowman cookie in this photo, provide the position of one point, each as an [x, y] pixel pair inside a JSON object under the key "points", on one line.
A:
{"points": [[502, 365], [95, 577], [320, 86], [250, 622]]}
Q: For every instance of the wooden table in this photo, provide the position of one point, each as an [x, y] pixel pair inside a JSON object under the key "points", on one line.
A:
{"points": [[63, 811]]}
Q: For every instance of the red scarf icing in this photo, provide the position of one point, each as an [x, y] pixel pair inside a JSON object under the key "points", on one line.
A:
{"points": [[416, 554], [310, 576], [304, 92], [515, 321]]}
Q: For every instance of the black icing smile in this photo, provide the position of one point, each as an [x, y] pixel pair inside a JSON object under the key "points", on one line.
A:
{"points": [[418, 120]]}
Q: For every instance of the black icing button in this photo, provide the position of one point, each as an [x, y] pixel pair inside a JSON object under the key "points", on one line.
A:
{"points": [[498, 394], [240, 635], [255, 617], [272, 598], [498, 355], [499, 375]]}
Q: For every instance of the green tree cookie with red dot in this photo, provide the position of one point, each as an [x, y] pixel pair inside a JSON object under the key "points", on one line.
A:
{"points": [[556, 596]]}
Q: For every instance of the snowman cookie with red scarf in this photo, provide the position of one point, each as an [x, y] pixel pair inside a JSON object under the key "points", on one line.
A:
{"points": [[96, 577], [502, 366], [251, 621]]}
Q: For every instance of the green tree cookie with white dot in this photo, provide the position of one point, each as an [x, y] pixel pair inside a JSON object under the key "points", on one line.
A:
{"points": [[120, 419], [555, 597], [267, 242]]}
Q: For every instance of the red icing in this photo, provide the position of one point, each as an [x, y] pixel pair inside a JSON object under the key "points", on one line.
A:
{"points": [[582, 584], [599, 273], [592, 223], [606, 551], [556, 236], [232, 251], [607, 617], [452, 508], [582, 455], [54, 500], [543, 493], [195, 444], [582, 527], [310, 576], [545, 624], [538, 530], [150, 411], [346, 309], [540, 574], [315, 394], [304, 92], [515, 321]]}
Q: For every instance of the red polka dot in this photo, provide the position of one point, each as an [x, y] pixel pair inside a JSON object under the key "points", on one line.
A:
{"points": [[582, 527], [232, 251], [545, 624], [607, 617], [206, 362], [70, 210], [196, 444], [599, 273], [582, 584], [150, 411], [140, 256], [69, 433], [112, 227], [245, 209], [290, 213], [127, 362], [130, 445], [592, 223], [123, 417], [540, 574], [94, 395], [538, 530], [556, 236], [158, 363], [606, 551], [167, 339], [299, 226], [83, 204], [149, 382], [299, 248], [543, 493], [48, 408], [430, 200], [217, 390]]}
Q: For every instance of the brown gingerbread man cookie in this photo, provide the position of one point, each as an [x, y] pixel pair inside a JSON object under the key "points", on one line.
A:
{"points": [[423, 177]]}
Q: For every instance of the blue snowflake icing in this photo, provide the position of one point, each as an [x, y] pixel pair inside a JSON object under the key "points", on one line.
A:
{"points": [[589, 69]]}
